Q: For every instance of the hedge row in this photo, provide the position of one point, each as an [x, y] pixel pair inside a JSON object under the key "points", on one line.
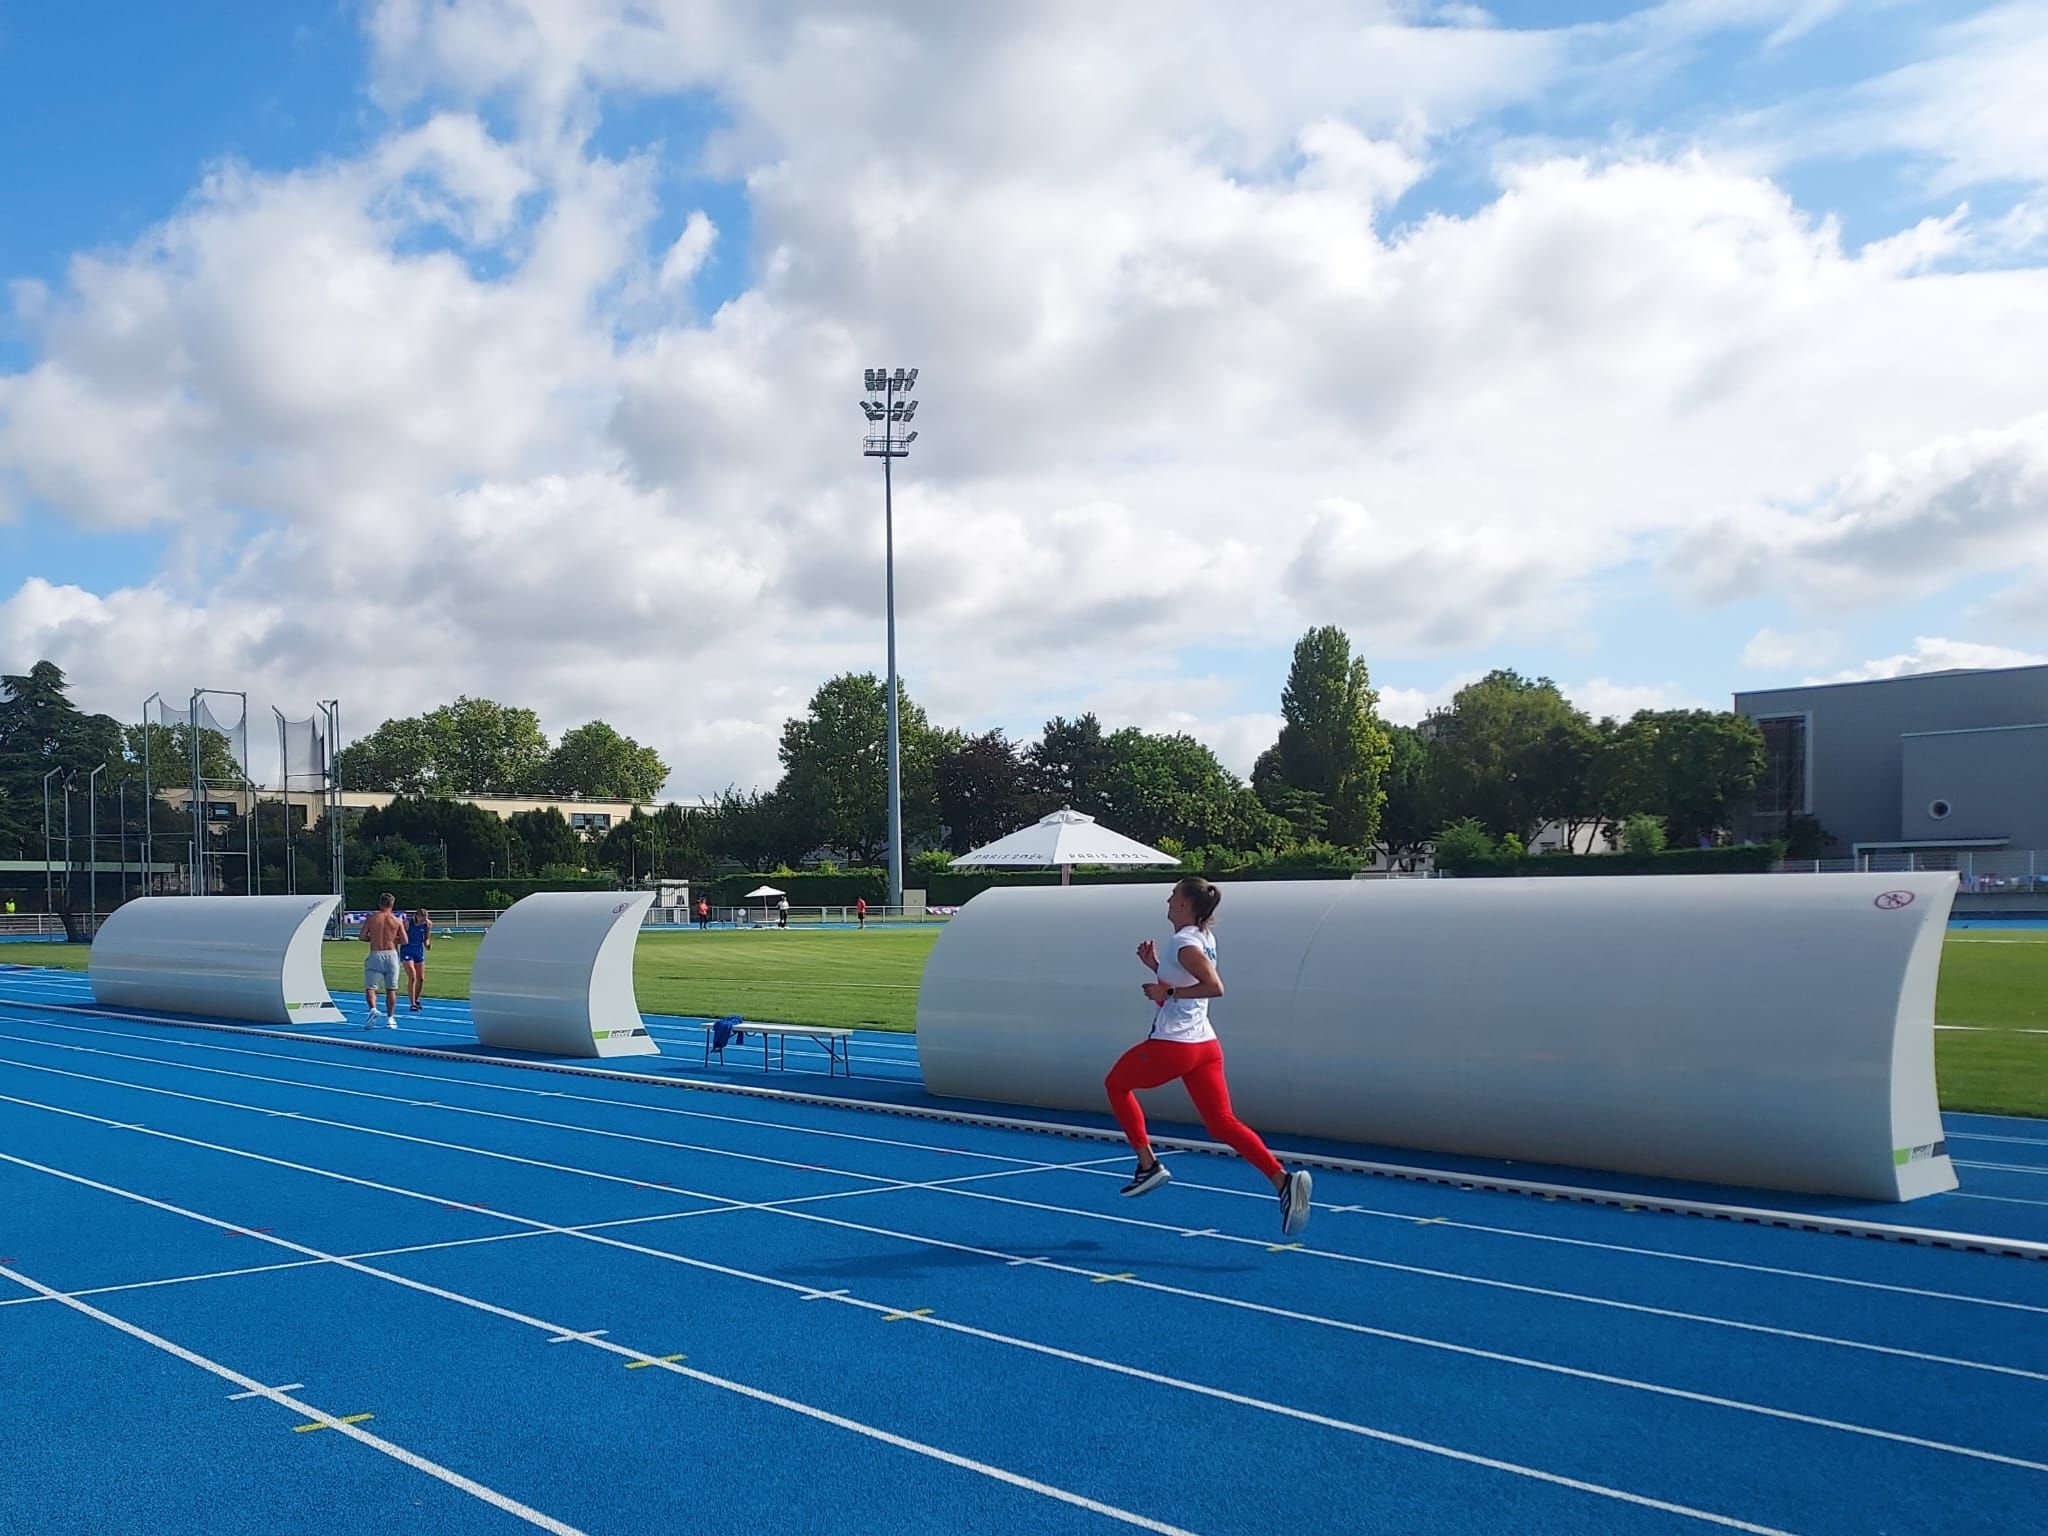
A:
{"points": [[1744, 859], [471, 895]]}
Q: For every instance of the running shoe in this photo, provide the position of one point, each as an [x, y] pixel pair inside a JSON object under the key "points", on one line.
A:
{"points": [[1294, 1201], [391, 1021], [1147, 1180]]}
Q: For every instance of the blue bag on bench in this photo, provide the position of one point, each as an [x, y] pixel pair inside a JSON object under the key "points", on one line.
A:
{"points": [[726, 1031]]}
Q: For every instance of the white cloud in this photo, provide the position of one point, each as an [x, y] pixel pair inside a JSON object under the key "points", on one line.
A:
{"points": [[1185, 384], [1602, 697], [1771, 649], [1934, 654]]}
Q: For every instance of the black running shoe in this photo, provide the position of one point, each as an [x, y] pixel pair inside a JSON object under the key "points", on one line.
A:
{"points": [[1294, 1201], [1147, 1180]]}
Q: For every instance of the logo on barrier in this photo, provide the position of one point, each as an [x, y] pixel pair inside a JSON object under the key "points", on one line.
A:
{"points": [[1892, 901], [625, 904]]}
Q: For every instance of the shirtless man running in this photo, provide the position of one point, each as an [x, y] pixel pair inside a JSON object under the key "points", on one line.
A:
{"points": [[383, 932]]}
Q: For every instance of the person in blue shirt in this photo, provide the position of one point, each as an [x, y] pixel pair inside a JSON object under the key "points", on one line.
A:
{"points": [[412, 954]]}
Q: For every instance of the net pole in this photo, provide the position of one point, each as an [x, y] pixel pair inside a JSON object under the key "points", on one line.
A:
{"points": [[252, 871], [197, 883], [152, 707], [284, 779]]}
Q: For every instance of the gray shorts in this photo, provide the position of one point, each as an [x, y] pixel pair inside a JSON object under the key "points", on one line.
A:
{"points": [[381, 969]]}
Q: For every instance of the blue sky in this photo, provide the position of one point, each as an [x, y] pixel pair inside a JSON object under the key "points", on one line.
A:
{"points": [[173, 475]]}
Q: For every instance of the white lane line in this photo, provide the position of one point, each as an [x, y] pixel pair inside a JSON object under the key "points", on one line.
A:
{"points": [[957, 1188], [283, 1397], [1468, 1458], [1408, 1218], [785, 1128], [236, 1397], [2007, 1167], [728, 1153], [1493, 1183], [2016, 1141], [757, 1394], [1603, 1378]]}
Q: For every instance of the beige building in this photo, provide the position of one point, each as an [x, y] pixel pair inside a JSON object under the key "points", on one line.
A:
{"points": [[583, 815]]}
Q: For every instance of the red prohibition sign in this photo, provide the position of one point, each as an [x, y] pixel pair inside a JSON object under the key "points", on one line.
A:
{"points": [[1891, 901]]}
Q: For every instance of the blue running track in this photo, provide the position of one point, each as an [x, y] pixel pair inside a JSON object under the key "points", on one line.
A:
{"points": [[255, 1284]]}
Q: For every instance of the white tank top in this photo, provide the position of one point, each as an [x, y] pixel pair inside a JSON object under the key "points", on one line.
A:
{"points": [[1184, 1018]]}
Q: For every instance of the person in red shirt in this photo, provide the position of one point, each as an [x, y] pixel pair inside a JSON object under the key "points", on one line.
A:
{"points": [[860, 910]]}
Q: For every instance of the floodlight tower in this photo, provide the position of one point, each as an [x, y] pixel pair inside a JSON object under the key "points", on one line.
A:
{"points": [[884, 415]]}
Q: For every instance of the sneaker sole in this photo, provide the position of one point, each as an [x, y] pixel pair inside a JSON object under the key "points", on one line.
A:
{"points": [[1295, 1211], [1148, 1187]]}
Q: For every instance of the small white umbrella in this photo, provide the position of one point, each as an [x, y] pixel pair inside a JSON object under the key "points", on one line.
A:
{"points": [[1063, 839], [764, 892]]}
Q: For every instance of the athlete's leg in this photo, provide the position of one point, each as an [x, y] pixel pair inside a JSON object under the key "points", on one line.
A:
{"points": [[1148, 1064], [1209, 1089]]}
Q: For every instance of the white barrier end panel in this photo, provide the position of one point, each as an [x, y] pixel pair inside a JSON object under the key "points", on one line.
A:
{"points": [[555, 976], [255, 958]]}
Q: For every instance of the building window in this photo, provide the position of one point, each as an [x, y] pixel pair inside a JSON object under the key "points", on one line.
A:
{"points": [[1782, 790], [593, 821], [1938, 809]]}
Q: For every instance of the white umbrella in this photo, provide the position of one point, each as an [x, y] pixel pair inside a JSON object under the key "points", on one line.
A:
{"points": [[764, 892], [1065, 838]]}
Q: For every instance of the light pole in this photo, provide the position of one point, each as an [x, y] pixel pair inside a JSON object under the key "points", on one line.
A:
{"points": [[92, 837], [886, 413], [49, 898], [70, 778]]}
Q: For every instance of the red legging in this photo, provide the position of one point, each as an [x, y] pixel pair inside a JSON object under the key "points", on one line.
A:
{"points": [[1199, 1066]]}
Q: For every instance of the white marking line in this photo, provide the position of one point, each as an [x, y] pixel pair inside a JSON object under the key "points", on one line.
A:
{"points": [[1422, 1341], [281, 1396], [1990, 1029], [2018, 1141], [235, 1397], [1964, 1194], [730, 1154], [2007, 1167], [952, 1187], [1759, 1215], [1408, 1218], [757, 1394], [809, 1293], [1085, 1167], [579, 1338]]}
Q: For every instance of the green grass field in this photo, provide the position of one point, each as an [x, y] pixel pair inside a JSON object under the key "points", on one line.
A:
{"points": [[1995, 983]]}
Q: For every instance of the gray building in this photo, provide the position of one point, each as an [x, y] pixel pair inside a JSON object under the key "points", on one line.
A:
{"points": [[1935, 761]]}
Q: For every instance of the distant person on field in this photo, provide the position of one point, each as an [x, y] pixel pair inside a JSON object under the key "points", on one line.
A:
{"points": [[782, 911], [384, 933], [412, 954], [860, 910], [703, 913]]}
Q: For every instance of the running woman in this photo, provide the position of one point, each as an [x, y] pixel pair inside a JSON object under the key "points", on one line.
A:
{"points": [[1183, 1046], [412, 954]]}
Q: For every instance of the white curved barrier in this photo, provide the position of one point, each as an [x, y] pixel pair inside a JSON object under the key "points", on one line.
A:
{"points": [[225, 957], [1764, 1030], [555, 975]]}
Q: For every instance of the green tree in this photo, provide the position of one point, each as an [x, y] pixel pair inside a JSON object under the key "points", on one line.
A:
{"points": [[544, 837], [1333, 745], [835, 779], [595, 761], [476, 841], [1692, 767], [1642, 834], [1172, 786], [1409, 820], [754, 830], [986, 789], [1463, 843], [470, 747], [1492, 753], [170, 754], [1072, 760], [40, 730]]}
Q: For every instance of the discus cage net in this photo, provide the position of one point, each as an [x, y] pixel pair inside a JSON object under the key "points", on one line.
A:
{"points": [[310, 781], [204, 749]]}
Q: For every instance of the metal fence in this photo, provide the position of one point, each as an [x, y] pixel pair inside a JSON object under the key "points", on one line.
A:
{"points": [[1994, 869], [670, 919]]}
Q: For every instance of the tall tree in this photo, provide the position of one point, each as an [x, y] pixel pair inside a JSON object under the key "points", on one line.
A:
{"points": [[544, 838], [1172, 786], [40, 730], [835, 779], [1692, 767], [986, 789], [170, 754], [1333, 745], [1410, 819], [477, 843], [755, 831], [594, 760], [470, 747], [1487, 753], [1072, 760]]}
